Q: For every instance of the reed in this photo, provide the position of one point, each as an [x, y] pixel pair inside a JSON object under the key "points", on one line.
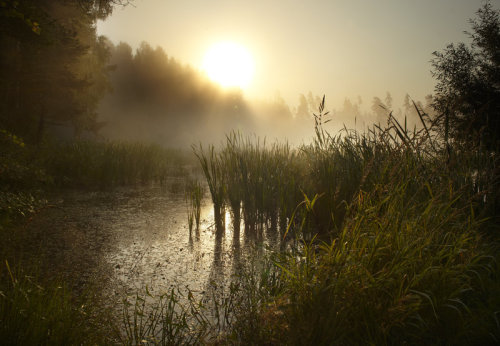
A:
{"points": [[194, 193], [230, 157], [212, 169], [109, 163], [35, 313], [394, 237]]}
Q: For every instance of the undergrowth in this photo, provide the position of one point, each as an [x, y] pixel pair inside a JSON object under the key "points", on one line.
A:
{"points": [[33, 312]]}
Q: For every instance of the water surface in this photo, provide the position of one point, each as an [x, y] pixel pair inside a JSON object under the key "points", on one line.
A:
{"points": [[127, 239]]}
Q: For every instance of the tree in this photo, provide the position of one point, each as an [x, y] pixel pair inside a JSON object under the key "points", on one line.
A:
{"points": [[467, 94], [303, 108], [52, 64], [380, 109]]}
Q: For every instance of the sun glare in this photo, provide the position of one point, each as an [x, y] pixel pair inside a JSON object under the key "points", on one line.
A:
{"points": [[229, 64]]}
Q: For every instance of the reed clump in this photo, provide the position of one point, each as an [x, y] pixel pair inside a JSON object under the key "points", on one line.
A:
{"points": [[212, 169], [255, 180], [194, 195], [395, 237], [88, 163]]}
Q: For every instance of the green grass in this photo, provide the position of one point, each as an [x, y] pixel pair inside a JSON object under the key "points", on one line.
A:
{"points": [[408, 266], [105, 164], [47, 314], [194, 194], [395, 238]]}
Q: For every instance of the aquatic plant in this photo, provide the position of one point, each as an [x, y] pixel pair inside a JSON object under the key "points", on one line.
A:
{"points": [[109, 163], [194, 194], [212, 169], [388, 244]]}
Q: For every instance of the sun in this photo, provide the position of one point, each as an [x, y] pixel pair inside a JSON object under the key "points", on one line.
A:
{"points": [[229, 64]]}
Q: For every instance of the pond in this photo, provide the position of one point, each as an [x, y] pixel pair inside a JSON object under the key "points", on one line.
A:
{"points": [[127, 239]]}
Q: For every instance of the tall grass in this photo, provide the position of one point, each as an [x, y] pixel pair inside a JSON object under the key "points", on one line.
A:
{"points": [[34, 314], [255, 180], [110, 163], [194, 194], [408, 266], [396, 236], [212, 168]]}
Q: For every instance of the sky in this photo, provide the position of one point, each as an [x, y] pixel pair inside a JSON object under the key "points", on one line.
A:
{"points": [[337, 48]]}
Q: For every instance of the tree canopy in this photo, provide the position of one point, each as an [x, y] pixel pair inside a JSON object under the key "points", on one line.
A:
{"points": [[467, 94], [52, 64]]}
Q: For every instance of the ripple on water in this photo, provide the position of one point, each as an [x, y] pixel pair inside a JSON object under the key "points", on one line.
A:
{"points": [[130, 238]]}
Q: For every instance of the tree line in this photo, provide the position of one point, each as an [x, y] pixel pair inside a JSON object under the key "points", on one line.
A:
{"points": [[55, 70], [52, 63], [163, 96]]}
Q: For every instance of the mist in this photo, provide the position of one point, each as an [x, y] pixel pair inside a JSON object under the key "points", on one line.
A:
{"points": [[153, 97]]}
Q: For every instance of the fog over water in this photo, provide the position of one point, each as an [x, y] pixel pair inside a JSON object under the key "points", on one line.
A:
{"points": [[155, 98]]}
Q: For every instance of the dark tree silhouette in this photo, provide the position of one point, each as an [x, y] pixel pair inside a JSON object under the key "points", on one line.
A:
{"points": [[467, 94], [52, 64]]}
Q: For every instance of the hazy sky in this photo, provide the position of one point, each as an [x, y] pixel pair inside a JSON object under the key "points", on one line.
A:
{"points": [[338, 48]]}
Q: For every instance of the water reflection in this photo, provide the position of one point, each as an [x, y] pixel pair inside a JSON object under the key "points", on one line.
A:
{"points": [[139, 237]]}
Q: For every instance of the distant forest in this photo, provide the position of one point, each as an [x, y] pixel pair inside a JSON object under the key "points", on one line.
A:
{"points": [[155, 97], [59, 76]]}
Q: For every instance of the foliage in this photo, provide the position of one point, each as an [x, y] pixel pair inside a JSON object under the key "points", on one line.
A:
{"points": [[18, 205], [18, 176], [56, 76], [34, 315], [467, 93], [407, 267], [9, 9], [18, 168]]}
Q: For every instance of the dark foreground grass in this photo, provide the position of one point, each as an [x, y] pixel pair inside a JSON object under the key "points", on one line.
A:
{"points": [[403, 269], [35, 313]]}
